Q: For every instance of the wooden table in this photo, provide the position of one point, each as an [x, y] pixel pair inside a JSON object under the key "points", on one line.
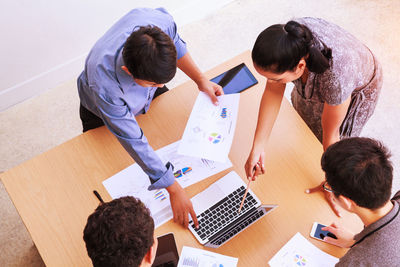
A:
{"points": [[53, 191]]}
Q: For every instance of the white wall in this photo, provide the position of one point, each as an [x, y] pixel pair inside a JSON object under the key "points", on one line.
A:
{"points": [[44, 42]]}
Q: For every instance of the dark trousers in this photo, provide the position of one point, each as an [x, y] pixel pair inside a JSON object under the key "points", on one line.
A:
{"points": [[92, 121]]}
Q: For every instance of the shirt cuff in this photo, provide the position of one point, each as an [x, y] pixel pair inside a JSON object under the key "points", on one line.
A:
{"points": [[164, 181]]}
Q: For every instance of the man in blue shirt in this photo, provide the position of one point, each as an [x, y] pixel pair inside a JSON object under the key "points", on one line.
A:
{"points": [[137, 55]]}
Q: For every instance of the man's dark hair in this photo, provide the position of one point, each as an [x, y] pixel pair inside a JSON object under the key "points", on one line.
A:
{"points": [[359, 169], [119, 233], [150, 55], [279, 48]]}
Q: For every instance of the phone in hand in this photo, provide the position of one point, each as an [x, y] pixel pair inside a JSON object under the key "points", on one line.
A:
{"points": [[318, 233]]}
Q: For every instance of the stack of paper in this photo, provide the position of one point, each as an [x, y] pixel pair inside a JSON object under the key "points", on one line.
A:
{"points": [[300, 252]]}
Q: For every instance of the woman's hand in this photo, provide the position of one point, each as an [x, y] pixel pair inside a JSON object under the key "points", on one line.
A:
{"points": [[255, 164]]}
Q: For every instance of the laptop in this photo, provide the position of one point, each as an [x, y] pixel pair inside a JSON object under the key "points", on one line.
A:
{"points": [[217, 211]]}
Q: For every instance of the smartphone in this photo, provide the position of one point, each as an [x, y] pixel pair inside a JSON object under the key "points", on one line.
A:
{"points": [[318, 233], [235, 80], [167, 253]]}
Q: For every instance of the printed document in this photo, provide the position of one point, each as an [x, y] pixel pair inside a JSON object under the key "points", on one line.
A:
{"points": [[133, 181], [301, 252], [210, 129], [194, 257]]}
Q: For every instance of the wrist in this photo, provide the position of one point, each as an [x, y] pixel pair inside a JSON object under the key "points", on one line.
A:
{"points": [[199, 79], [257, 146], [328, 140], [174, 188]]}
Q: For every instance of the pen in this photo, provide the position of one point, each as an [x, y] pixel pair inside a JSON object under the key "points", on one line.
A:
{"points": [[245, 193], [244, 196], [98, 196]]}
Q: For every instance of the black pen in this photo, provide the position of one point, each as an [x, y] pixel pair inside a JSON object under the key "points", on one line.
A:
{"points": [[98, 196]]}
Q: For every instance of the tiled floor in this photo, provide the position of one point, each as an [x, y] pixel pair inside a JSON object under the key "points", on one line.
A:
{"points": [[39, 124]]}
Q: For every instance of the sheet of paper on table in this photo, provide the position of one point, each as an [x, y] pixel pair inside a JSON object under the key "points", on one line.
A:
{"points": [[133, 181], [194, 257], [210, 129], [190, 170], [301, 252]]}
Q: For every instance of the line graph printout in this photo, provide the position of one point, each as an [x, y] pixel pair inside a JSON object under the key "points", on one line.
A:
{"points": [[133, 181], [194, 257], [210, 129], [300, 252]]}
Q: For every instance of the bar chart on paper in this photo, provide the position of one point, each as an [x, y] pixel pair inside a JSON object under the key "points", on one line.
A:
{"points": [[133, 181], [190, 170], [194, 257]]}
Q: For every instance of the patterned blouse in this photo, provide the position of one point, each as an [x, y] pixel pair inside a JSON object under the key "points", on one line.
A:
{"points": [[354, 71]]}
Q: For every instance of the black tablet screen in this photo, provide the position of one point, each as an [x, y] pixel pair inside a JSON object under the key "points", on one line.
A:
{"points": [[236, 79], [167, 253]]}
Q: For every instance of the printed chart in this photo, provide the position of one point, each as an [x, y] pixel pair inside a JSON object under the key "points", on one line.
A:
{"points": [[189, 170], [210, 129], [300, 252], [180, 173], [133, 181], [194, 257], [300, 260]]}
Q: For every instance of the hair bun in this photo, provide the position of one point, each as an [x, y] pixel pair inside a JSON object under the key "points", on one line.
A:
{"points": [[292, 27], [297, 30]]}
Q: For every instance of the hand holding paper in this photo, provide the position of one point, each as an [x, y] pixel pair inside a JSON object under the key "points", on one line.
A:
{"points": [[211, 89], [210, 129]]}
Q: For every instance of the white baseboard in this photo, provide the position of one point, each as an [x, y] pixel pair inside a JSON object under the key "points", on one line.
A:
{"points": [[41, 83], [191, 11]]}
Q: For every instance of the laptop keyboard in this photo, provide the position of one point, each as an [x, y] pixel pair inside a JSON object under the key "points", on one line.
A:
{"points": [[249, 220], [223, 213]]}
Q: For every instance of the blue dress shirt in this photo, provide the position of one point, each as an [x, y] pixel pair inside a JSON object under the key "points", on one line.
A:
{"points": [[110, 93]]}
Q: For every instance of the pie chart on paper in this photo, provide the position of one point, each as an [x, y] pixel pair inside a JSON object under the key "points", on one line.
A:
{"points": [[215, 138]]}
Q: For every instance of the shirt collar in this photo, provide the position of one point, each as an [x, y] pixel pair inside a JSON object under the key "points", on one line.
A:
{"points": [[373, 226]]}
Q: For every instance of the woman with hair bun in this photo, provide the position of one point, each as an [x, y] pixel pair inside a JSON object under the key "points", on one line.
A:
{"points": [[337, 81]]}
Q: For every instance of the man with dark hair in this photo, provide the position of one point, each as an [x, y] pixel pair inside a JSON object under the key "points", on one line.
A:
{"points": [[121, 233], [359, 175], [125, 70]]}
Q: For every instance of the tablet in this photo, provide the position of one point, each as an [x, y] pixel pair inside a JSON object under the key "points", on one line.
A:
{"points": [[236, 80], [167, 253]]}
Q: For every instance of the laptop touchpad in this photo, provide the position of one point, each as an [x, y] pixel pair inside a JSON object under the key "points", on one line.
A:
{"points": [[207, 198]]}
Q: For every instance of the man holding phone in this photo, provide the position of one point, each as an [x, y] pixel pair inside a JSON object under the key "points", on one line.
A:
{"points": [[125, 70], [359, 174]]}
